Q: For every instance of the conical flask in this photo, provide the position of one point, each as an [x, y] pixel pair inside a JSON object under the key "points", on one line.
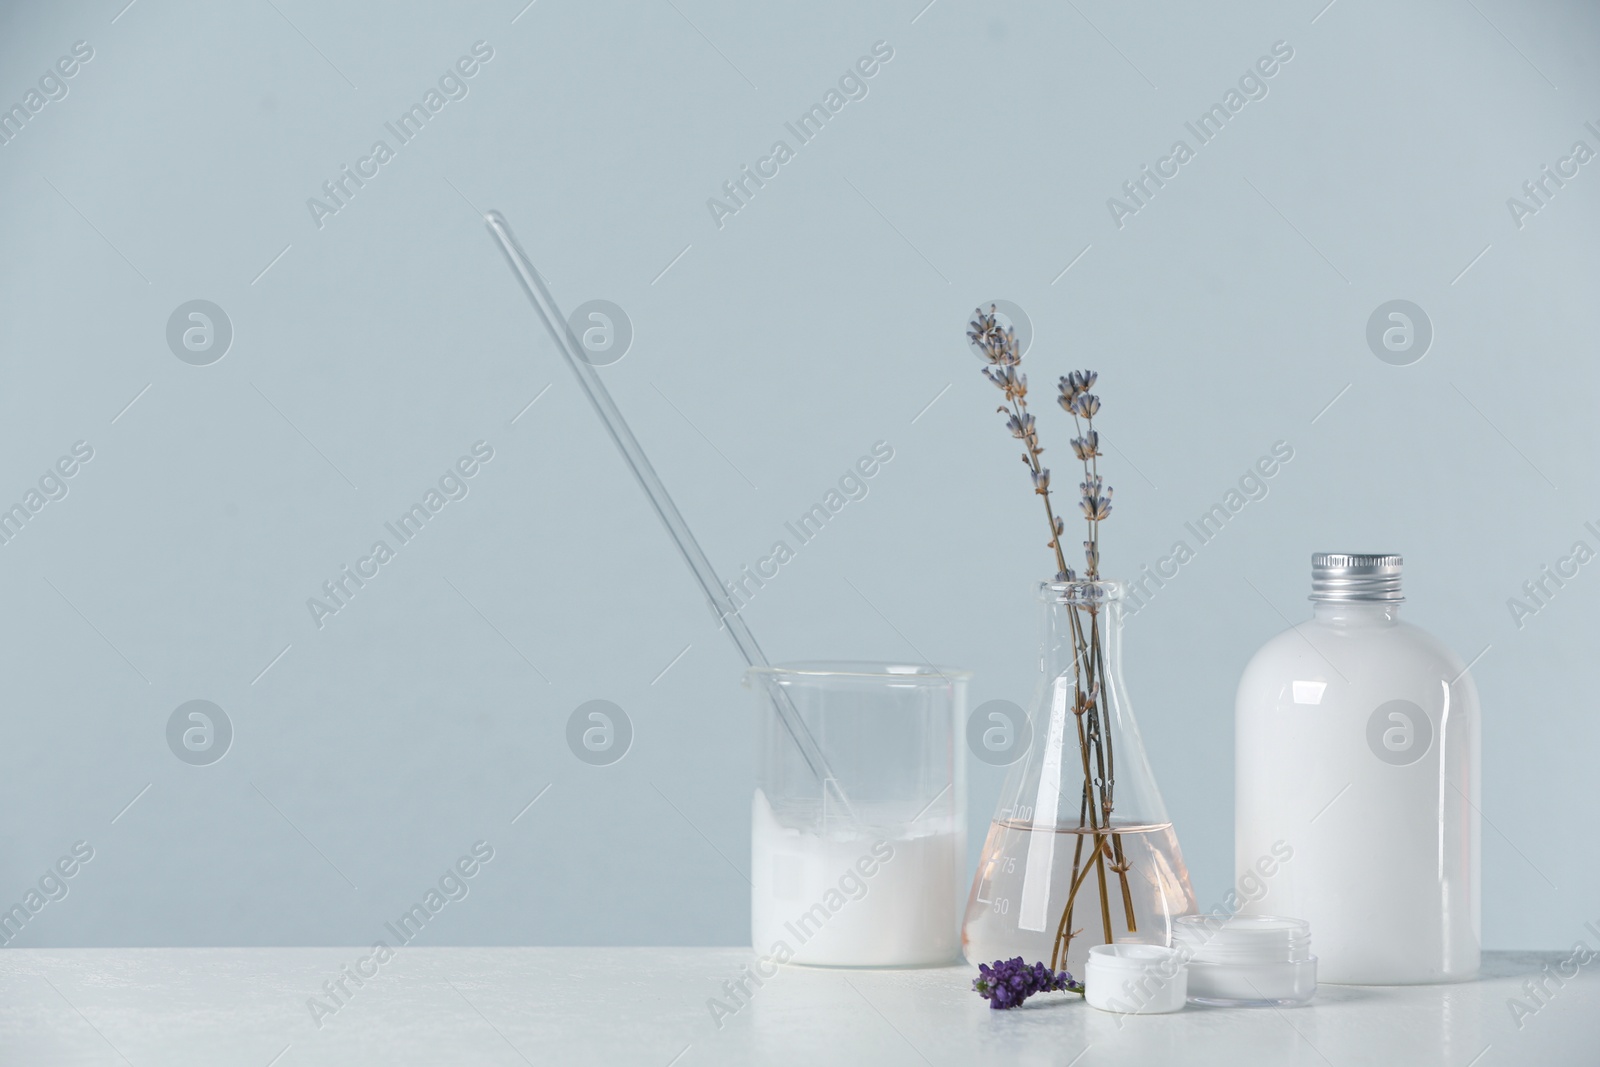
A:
{"points": [[1081, 851]]}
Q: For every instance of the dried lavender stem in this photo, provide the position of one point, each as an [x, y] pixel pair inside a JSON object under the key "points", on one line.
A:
{"points": [[1082, 708], [1019, 408], [1099, 848], [1091, 470], [1092, 741], [1064, 928], [1087, 807], [1119, 864]]}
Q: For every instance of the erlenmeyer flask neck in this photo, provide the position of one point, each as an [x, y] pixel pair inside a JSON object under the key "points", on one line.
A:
{"points": [[1081, 619]]}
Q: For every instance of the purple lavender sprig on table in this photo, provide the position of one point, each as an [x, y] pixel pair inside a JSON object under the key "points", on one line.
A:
{"points": [[1007, 983]]}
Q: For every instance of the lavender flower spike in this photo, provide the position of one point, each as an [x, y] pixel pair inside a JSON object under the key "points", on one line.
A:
{"points": [[1007, 983]]}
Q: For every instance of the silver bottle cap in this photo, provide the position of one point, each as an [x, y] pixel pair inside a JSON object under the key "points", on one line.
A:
{"points": [[1341, 576]]}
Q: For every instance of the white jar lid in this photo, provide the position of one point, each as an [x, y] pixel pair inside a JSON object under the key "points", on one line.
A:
{"points": [[1135, 979]]}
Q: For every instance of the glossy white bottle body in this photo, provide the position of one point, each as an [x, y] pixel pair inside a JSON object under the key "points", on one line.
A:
{"points": [[1356, 742]]}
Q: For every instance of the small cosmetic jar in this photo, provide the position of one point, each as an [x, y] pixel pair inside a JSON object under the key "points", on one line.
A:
{"points": [[1134, 979], [1247, 960]]}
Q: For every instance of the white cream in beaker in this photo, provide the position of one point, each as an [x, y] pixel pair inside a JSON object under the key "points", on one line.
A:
{"points": [[852, 899]]}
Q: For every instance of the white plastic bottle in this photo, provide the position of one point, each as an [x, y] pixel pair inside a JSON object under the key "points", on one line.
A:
{"points": [[1357, 743]]}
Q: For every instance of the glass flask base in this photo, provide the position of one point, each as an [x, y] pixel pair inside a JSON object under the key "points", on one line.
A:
{"points": [[1024, 877]]}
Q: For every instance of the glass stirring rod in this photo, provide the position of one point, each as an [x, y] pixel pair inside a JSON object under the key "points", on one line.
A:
{"points": [[617, 426]]}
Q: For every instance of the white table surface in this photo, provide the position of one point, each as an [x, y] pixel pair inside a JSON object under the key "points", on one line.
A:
{"points": [[514, 1006]]}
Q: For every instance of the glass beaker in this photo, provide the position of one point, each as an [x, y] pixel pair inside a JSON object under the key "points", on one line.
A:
{"points": [[865, 870], [1080, 851]]}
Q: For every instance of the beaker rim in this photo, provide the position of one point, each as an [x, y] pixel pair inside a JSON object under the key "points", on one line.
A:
{"points": [[897, 671]]}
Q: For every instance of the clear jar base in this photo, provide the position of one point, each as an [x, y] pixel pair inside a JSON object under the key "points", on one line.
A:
{"points": [[1222, 1002], [1247, 961]]}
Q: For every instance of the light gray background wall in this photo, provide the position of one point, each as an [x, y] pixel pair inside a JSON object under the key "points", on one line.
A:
{"points": [[771, 353]]}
